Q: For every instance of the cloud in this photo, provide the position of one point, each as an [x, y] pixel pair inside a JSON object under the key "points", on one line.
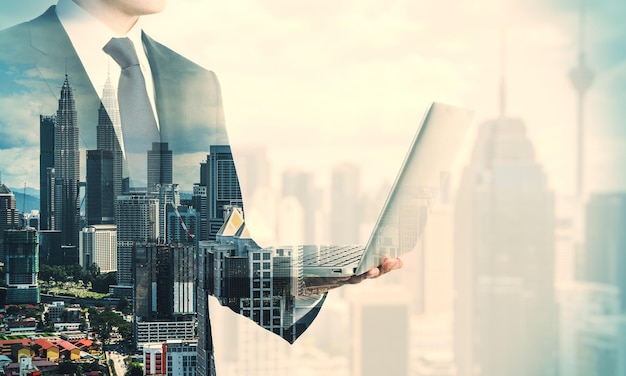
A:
{"points": [[19, 166]]}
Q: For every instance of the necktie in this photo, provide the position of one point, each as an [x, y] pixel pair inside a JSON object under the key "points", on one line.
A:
{"points": [[139, 126]]}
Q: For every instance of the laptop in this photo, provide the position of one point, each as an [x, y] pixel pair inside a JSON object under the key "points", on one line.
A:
{"points": [[423, 177]]}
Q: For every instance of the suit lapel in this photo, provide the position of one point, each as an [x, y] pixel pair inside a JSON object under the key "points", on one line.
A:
{"points": [[54, 57]]}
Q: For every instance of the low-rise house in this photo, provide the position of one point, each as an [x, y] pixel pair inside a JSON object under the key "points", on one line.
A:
{"points": [[46, 349], [67, 350]]}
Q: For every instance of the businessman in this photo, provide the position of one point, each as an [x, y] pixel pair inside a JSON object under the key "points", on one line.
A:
{"points": [[161, 96]]}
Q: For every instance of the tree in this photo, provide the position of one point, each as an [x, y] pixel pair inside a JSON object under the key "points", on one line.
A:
{"points": [[134, 369], [94, 270], [102, 282], [123, 306]]}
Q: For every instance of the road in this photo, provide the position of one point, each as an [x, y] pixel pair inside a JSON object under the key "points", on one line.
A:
{"points": [[118, 362]]}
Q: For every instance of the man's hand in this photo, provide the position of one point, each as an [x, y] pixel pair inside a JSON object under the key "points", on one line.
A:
{"points": [[317, 285], [385, 267]]}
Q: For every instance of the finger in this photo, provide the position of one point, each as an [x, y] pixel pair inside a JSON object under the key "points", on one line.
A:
{"points": [[373, 273], [390, 264]]}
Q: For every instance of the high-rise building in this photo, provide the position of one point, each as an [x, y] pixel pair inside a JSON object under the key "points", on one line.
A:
{"points": [[100, 199], [9, 216], [21, 266], [169, 199], [137, 220], [164, 281], [98, 244], [161, 331], [393, 343], [46, 171], [66, 168], [159, 165], [219, 177], [345, 215], [181, 225], [604, 253], [504, 310], [108, 132], [300, 185], [153, 283], [199, 202], [50, 247]]}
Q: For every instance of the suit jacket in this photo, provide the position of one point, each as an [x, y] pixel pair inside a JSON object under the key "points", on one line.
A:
{"points": [[37, 56]]}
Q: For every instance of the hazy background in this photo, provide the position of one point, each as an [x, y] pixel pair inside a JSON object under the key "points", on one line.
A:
{"points": [[308, 86]]}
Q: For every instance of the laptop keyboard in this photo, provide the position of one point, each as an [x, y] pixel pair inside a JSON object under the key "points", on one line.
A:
{"points": [[332, 255]]}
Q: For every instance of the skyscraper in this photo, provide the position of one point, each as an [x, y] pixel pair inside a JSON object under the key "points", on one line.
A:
{"points": [[21, 266], [219, 177], [300, 185], [137, 220], [345, 209], [164, 281], [107, 132], [9, 216], [604, 254], [98, 244], [169, 199], [504, 309], [100, 202], [159, 165], [67, 168], [46, 172]]}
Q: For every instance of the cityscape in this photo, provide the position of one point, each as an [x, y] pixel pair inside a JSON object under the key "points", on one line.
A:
{"points": [[112, 273]]}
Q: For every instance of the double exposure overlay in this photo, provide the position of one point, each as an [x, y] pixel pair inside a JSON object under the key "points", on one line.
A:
{"points": [[142, 230]]}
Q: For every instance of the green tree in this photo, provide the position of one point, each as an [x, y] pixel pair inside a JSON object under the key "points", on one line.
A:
{"points": [[124, 306], [94, 270], [134, 369], [102, 282]]}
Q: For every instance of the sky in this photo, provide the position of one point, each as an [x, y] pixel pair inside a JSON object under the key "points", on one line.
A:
{"points": [[321, 83]]}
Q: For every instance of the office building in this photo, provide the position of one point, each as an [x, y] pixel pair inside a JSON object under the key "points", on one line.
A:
{"points": [[265, 285], [66, 168], [345, 217], [21, 266], [182, 266], [604, 252], [107, 132], [392, 308], [98, 245], [169, 200], [50, 247], [161, 331], [199, 202], [219, 177], [46, 171], [9, 216], [137, 220], [181, 225], [301, 186], [504, 309], [159, 165], [100, 199], [152, 282]]}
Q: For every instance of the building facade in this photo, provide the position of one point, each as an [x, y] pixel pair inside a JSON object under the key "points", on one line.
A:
{"points": [[98, 244], [21, 266], [9, 216]]}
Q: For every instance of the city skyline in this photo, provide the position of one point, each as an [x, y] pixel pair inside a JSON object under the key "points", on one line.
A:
{"points": [[356, 97]]}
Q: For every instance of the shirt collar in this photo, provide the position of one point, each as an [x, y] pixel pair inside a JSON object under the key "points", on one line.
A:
{"points": [[87, 32]]}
